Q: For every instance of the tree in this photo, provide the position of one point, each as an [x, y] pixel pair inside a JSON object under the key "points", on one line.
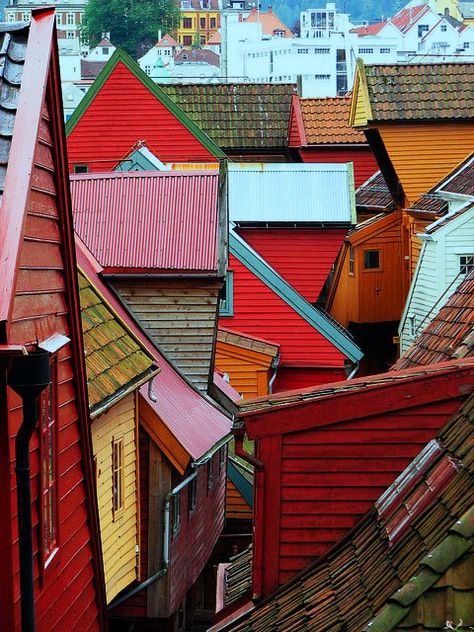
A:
{"points": [[132, 24]]}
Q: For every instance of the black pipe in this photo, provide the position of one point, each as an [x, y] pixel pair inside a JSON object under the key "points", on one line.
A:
{"points": [[28, 377]]}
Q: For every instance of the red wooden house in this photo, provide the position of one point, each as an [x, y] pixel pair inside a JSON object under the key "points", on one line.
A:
{"points": [[182, 456], [58, 584], [124, 106], [319, 130], [324, 455]]}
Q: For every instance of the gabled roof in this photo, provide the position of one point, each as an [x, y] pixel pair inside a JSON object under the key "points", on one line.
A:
{"points": [[121, 57], [421, 526], [316, 317], [116, 363], [159, 221], [237, 115], [444, 91], [311, 193], [369, 29], [449, 335], [326, 121], [141, 158], [407, 17], [372, 226], [270, 22], [460, 180], [197, 56], [215, 39], [449, 218], [181, 416], [374, 195], [91, 69], [166, 41]]}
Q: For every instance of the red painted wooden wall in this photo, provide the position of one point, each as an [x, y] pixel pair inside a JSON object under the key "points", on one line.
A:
{"points": [[303, 256], [66, 596], [318, 483], [259, 311], [123, 112], [364, 161]]}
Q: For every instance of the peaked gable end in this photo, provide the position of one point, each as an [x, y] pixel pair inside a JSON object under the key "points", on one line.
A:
{"points": [[125, 106]]}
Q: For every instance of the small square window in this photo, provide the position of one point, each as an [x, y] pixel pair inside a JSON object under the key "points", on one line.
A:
{"points": [[466, 264], [187, 23], [372, 259], [81, 168], [444, 28], [226, 303], [192, 495]]}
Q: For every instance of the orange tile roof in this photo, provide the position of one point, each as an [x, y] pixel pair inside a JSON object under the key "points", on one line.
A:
{"points": [[326, 121], [369, 29], [166, 41], [270, 22]]}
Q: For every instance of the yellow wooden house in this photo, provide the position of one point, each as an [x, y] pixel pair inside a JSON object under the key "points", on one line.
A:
{"points": [[419, 121], [199, 20], [249, 362], [116, 367]]}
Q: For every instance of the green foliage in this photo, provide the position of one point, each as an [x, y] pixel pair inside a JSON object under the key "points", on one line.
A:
{"points": [[133, 24]]}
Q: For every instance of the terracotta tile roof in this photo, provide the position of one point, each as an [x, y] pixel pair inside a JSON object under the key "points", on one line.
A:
{"points": [[215, 38], [429, 203], [115, 361], [369, 29], [421, 92], [461, 180], [421, 528], [91, 69], [197, 55], [166, 41], [326, 121], [448, 218], [450, 334], [374, 195], [270, 22], [405, 19], [233, 115]]}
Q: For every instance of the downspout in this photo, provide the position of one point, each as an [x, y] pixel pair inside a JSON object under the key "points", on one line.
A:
{"points": [[166, 547], [28, 377], [354, 371], [274, 366]]}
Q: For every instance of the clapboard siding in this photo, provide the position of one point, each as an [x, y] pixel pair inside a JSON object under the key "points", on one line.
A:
{"points": [[236, 506], [180, 315], [248, 371], [437, 275], [65, 592], [330, 477], [119, 534], [258, 311], [423, 153], [362, 158], [122, 112], [304, 257]]}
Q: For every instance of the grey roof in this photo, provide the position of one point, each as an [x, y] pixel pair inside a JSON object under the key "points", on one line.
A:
{"points": [[13, 40]]}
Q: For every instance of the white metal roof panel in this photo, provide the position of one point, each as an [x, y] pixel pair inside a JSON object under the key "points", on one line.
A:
{"points": [[291, 192]]}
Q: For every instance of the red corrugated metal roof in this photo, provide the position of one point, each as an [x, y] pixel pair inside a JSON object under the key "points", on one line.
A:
{"points": [[160, 221], [193, 420]]}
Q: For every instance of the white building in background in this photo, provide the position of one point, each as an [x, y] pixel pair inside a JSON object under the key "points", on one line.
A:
{"points": [[324, 57], [68, 14], [161, 55], [103, 51]]}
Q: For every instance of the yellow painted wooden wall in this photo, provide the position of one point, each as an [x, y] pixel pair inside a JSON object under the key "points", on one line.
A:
{"points": [[424, 153], [119, 533], [236, 505], [249, 371]]}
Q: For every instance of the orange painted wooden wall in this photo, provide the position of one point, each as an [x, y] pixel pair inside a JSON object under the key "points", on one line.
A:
{"points": [[236, 506]]}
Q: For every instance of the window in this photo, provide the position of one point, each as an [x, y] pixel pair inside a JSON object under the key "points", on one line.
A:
{"points": [[303, 51], [48, 455], [148, 70], [25, 17], [176, 509], [117, 476], [321, 51], [203, 40], [70, 35], [81, 168], [351, 259], [444, 28], [226, 303], [186, 4], [105, 50], [366, 51], [58, 19], [465, 45], [412, 325], [322, 77], [70, 19], [213, 23], [422, 29], [187, 23], [466, 264], [192, 495], [187, 40], [202, 23], [372, 259], [279, 33], [385, 50]]}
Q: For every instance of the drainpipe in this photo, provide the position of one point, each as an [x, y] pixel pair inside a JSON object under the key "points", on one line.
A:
{"points": [[239, 450], [28, 377], [275, 363]]}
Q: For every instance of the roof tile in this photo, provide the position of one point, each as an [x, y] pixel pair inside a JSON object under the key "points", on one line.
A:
{"points": [[326, 121]]}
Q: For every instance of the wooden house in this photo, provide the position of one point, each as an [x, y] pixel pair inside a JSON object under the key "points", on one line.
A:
{"points": [[249, 122], [416, 141], [116, 367], [124, 106], [319, 130], [324, 455], [407, 565], [248, 361], [49, 537], [182, 441], [167, 260], [447, 252], [313, 348]]}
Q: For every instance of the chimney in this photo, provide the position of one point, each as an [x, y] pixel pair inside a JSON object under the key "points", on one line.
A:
{"points": [[159, 35], [270, 8]]}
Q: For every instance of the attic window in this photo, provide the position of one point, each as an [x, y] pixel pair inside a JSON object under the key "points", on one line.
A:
{"points": [[422, 29], [105, 50], [466, 264], [413, 491], [81, 168], [371, 259]]}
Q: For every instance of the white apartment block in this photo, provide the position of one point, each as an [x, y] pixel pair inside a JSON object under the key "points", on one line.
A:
{"points": [[68, 14]]}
